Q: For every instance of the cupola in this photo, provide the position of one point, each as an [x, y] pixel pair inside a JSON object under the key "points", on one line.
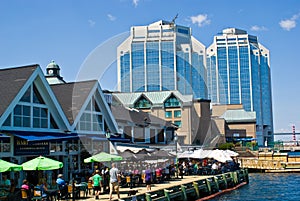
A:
{"points": [[53, 73]]}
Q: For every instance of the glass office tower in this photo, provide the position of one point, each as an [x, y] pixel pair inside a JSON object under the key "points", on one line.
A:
{"points": [[162, 56], [238, 72]]}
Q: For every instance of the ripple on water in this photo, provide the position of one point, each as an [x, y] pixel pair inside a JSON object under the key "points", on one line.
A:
{"points": [[266, 186]]}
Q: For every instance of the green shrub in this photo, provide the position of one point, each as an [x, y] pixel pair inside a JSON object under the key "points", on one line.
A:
{"points": [[227, 145]]}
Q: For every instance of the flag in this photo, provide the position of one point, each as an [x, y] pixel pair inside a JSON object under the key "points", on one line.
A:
{"points": [[179, 148]]}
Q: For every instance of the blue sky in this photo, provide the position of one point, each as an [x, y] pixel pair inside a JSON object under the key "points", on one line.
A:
{"points": [[35, 31]]}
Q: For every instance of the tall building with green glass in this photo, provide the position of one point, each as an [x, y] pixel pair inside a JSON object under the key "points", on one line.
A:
{"points": [[238, 72], [162, 56]]}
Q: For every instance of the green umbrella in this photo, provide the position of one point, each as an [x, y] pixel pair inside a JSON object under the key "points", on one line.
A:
{"points": [[7, 166], [103, 157], [42, 163]]}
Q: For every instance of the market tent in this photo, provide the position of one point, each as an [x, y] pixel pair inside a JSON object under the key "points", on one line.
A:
{"points": [[42, 163], [185, 154], [231, 153], [219, 155], [162, 154], [128, 155], [103, 157], [200, 154], [7, 166]]}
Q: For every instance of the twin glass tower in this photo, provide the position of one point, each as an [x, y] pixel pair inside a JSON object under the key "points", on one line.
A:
{"points": [[162, 57], [235, 69]]}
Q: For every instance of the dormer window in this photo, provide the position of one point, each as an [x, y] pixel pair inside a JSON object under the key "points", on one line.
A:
{"points": [[142, 103], [172, 101]]}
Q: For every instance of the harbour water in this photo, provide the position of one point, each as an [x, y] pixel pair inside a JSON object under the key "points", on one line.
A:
{"points": [[266, 186]]}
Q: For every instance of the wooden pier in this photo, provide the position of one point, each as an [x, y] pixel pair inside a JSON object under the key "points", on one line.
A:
{"points": [[193, 187]]}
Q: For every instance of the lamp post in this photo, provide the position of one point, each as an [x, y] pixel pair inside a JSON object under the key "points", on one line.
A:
{"points": [[176, 161]]}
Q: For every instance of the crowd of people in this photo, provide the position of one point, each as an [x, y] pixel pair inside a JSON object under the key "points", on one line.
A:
{"points": [[130, 174]]}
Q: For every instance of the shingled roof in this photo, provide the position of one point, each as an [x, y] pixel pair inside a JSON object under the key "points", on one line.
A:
{"points": [[239, 115], [11, 82], [157, 98], [137, 117], [72, 96]]}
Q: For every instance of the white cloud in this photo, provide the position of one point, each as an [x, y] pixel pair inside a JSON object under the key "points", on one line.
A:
{"points": [[135, 2], [111, 17], [200, 20], [92, 23], [289, 24], [258, 28]]}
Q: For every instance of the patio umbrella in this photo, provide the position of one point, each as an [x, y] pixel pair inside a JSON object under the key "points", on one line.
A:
{"points": [[7, 166], [42, 163], [103, 157]]}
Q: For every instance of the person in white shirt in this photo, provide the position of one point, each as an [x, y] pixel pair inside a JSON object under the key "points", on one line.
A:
{"points": [[214, 168]]}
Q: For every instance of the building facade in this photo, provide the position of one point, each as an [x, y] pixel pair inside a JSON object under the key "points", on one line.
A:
{"points": [[63, 121], [192, 117], [236, 124], [238, 72], [162, 56]]}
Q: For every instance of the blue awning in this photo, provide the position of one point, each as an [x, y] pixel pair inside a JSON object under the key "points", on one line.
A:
{"points": [[97, 137], [3, 136], [44, 136], [119, 139]]}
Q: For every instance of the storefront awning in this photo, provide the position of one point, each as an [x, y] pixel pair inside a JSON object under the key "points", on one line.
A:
{"points": [[119, 139], [3, 136], [45, 136]]}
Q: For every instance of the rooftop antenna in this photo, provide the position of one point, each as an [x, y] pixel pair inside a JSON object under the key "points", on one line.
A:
{"points": [[173, 20]]}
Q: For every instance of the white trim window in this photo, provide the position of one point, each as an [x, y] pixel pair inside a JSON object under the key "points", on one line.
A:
{"points": [[92, 118], [31, 112]]}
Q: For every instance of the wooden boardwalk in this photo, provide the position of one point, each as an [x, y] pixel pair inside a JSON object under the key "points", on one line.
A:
{"points": [[190, 187], [154, 187]]}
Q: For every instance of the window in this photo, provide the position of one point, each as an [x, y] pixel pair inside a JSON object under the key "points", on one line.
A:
{"points": [[168, 114], [142, 103], [40, 117], [7, 122], [91, 119], [177, 113], [31, 111], [172, 102], [183, 31], [21, 116]]}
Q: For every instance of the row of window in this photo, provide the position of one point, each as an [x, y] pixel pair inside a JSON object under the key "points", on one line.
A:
{"points": [[169, 114]]}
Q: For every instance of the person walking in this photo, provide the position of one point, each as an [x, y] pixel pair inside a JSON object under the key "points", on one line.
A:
{"points": [[148, 177], [114, 174], [97, 181]]}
